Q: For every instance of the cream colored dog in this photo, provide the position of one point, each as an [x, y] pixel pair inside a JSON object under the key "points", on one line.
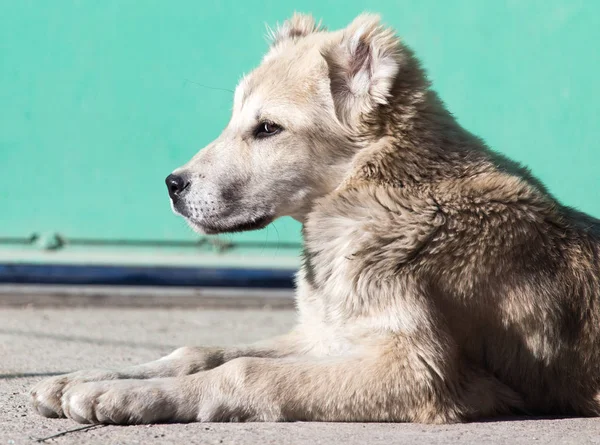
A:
{"points": [[441, 282]]}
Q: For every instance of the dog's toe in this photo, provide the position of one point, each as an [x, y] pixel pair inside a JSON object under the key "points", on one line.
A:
{"points": [[48, 411], [79, 402], [46, 396]]}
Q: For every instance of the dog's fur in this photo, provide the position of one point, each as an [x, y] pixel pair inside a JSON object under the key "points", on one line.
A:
{"points": [[441, 282]]}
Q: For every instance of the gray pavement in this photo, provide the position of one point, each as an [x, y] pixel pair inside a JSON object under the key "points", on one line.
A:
{"points": [[37, 342]]}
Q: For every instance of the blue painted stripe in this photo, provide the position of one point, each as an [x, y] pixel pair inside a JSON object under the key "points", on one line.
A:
{"points": [[146, 276]]}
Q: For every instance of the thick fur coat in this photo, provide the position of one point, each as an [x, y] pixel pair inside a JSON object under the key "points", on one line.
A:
{"points": [[440, 283]]}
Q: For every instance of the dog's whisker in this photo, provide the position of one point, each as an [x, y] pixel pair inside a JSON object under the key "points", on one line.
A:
{"points": [[186, 81]]}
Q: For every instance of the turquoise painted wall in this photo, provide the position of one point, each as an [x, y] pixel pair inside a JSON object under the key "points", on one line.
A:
{"points": [[100, 100]]}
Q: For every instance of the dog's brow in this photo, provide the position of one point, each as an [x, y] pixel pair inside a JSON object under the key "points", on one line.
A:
{"points": [[242, 92], [247, 91]]}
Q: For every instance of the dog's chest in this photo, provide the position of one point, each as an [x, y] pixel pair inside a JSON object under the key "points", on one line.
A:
{"points": [[347, 295], [326, 279]]}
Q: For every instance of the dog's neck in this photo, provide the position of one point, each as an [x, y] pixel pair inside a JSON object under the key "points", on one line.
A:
{"points": [[416, 145]]}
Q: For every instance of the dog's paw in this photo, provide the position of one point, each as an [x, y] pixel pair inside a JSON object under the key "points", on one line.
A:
{"points": [[127, 402], [46, 396]]}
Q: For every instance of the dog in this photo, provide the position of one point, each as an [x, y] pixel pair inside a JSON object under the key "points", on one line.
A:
{"points": [[440, 281]]}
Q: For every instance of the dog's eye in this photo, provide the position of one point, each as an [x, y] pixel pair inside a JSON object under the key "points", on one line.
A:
{"points": [[265, 129]]}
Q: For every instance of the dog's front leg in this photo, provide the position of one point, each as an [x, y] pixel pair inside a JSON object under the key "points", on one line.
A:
{"points": [[46, 395], [383, 385]]}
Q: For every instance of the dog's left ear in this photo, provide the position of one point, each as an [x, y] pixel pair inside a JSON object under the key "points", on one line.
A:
{"points": [[362, 67], [299, 25]]}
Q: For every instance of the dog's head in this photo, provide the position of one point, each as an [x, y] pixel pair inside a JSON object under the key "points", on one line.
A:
{"points": [[297, 121]]}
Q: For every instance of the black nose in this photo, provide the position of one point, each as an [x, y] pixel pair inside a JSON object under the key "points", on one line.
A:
{"points": [[176, 185]]}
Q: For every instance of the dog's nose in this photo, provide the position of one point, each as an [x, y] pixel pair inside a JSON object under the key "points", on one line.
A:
{"points": [[176, 185]]}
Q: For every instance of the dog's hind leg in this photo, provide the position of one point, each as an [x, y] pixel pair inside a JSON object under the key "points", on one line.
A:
{"points": [[47, 394]]}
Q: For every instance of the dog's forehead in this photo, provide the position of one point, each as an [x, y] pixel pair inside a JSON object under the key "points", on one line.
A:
{"points": [[278, 83], [260, 106], [279, 78]]}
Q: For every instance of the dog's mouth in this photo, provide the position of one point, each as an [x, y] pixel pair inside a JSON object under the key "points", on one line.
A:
{"points": [[225, 222], [215, 228]]}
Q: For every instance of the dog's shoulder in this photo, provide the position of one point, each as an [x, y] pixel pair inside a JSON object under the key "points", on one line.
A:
{"points": [[458, 183], [472, 204]]}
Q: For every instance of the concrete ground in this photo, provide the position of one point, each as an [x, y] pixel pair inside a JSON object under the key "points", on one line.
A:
{"points": [[39, 342]]}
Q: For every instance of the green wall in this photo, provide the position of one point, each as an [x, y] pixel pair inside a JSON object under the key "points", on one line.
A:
{"points": [[100, 100]]}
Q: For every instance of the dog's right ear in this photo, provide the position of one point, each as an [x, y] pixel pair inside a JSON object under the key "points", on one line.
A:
{"points": [[299, 25], [362, 67]]}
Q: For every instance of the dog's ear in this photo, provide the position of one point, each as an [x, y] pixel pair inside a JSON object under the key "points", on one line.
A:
{"points": [[362, 67], [299, 25]]}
